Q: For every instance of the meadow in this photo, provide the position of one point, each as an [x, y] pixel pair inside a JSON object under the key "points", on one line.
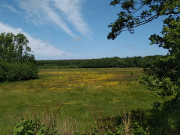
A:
{"points": [[77, 98]]}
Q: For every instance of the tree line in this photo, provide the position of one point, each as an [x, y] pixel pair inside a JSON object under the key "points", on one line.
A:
{"points": [[114, 62]]}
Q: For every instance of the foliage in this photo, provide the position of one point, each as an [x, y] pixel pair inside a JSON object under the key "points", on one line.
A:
{"points": [[16, 60], [164, 75], [34, 127], [14, 48], [135, 13], [142, 62], [17, 71]]}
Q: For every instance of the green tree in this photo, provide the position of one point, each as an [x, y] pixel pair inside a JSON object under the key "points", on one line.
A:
{"points": [[14, 47], [164, 75], [139, 12], [16, 59]]}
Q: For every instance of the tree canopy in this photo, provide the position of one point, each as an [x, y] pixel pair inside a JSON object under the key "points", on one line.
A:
{"points": [[14, 48], [135, 13], [164, 75]]}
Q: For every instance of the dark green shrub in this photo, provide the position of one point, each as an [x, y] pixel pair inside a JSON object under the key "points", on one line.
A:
{"points": [[2, 73], [12, 71], [28, 71], [18, 71]]}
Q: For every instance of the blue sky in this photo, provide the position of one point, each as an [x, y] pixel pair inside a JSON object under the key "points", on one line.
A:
{"points": [[74, 29]]}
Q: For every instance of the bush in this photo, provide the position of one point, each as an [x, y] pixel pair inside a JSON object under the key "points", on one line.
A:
{"points": [[18, 71], [2, 73]]}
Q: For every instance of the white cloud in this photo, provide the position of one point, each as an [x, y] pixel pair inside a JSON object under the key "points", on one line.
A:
{"points": [[43, 12], [57, 11], [11, 8], [71, 8], [39, 47]]}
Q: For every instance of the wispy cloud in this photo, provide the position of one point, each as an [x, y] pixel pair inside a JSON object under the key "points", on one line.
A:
{"points": [[11, 8], [42, 11], [72, 11], [57, 11], [39, 47]]}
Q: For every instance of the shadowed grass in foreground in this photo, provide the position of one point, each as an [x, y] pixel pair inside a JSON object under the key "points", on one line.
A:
{"points": [[80, 96]]}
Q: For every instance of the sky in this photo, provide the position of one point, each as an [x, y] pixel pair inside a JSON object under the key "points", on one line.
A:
{"points": [[74, 29]]}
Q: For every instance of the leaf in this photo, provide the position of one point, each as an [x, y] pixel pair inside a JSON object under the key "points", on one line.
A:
{"points": [[30, 131], [19, 129]]}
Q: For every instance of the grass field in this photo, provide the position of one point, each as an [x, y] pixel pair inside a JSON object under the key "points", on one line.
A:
{"points": [[80, 97]]}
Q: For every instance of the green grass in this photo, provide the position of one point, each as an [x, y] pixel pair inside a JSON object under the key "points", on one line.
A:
{"points": [[79, 96]]}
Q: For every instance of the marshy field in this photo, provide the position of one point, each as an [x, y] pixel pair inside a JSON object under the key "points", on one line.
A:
{"points": [[78, 99]]}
